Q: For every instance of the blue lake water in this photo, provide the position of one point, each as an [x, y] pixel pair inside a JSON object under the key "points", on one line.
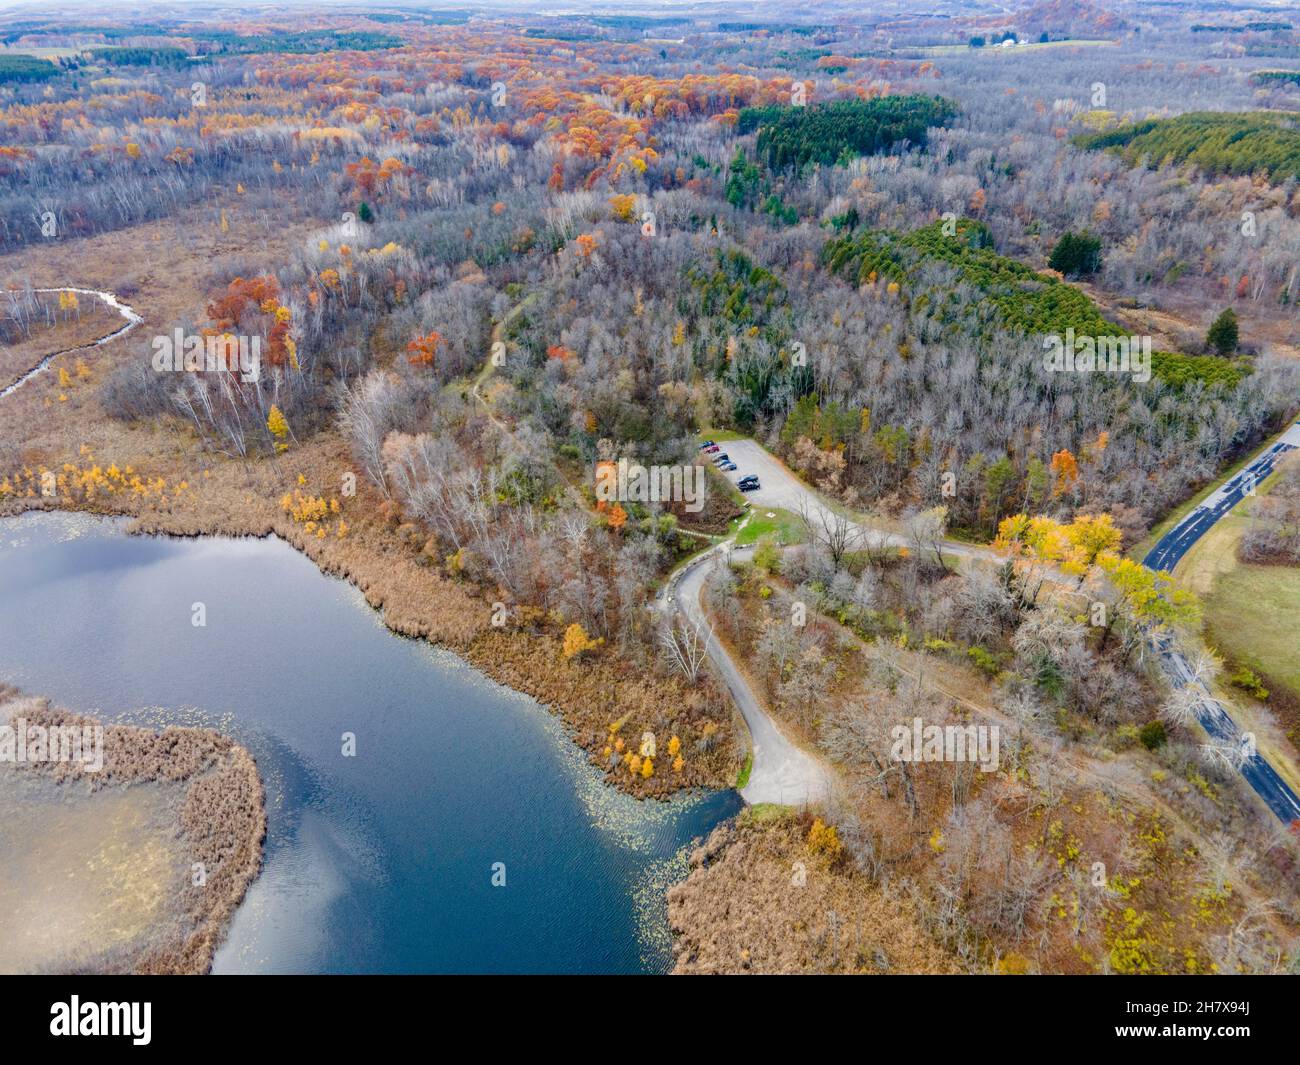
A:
{"points": [[380, 862]]}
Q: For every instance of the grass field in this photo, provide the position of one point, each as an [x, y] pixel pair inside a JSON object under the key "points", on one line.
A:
{"points": [[1251, 616], [785, 525], [42, 52], [1248, 612], [720, 435]]}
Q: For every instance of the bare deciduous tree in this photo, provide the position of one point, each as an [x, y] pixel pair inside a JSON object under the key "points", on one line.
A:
{"points": [[830, 528], [365, 417], [685, 645]]}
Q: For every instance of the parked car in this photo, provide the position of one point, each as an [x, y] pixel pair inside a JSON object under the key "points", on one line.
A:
{"points": [[748, 486], [706, 445], [750, 479], [730, 467], [720, 459], [712, 449]]}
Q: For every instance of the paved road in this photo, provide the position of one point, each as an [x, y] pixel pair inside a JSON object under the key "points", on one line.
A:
{"points": [[781, 488], [781, 773], [1224, 731], [1166, 554], [1175, 543]]}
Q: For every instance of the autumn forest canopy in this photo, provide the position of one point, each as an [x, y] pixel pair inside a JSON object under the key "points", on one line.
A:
{"points": [[667, 235], [481, 255]]}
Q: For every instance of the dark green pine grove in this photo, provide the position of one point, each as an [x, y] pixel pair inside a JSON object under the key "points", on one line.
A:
{"points": [[826, 133], [1024, 300], [1248, 142]]}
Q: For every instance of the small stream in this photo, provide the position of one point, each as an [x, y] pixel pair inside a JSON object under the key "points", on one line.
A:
{"points": [[132, 320]]}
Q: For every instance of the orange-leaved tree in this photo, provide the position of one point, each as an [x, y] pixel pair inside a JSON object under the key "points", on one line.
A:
{"points": [[423, 349]]}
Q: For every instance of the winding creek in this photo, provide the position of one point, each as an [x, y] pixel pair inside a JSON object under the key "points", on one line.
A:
{"points": [[380, 862], [110, 300]]}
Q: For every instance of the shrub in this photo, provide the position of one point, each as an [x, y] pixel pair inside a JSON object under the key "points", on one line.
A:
{"points": [[1153, 735], [1126, 736], [984, 661], [767, 556], [1249, 681], [824, 839]]}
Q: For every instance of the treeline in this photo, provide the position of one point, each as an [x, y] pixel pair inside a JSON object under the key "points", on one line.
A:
{"points": [[16, 31], [140, 56], [308, 41], [26, 68], [1216, 142], [1026, 301], [795, 28], [827, 133], [1291, 77], [1245, 27]]}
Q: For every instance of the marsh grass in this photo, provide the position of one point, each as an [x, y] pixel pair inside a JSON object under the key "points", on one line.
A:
{"points": [[219, 819]]}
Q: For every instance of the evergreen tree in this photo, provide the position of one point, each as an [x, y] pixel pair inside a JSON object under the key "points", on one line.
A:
{"points": [[1076, 255], [1223, 335]]}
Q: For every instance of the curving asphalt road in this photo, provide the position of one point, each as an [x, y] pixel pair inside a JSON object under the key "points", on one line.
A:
{"points": [[1168, 551], [781, 488], [781, 772]]}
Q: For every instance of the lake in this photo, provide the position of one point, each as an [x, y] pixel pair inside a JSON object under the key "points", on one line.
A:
{"points": [[378, 862]]}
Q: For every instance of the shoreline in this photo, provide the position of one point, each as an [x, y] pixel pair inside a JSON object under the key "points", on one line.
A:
{"points": [[587, 697], [219, 812]]}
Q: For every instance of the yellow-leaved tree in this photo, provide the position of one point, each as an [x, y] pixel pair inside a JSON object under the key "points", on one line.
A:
{"points": [[1092, 536], [1145, 597], [823, 839], [623, 207], [278, 427], [576, 641], [1086, 547]]}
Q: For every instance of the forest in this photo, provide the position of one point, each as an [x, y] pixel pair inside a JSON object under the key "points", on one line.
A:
{"points": [[830, 133], [481, 256], [1254, 142]]}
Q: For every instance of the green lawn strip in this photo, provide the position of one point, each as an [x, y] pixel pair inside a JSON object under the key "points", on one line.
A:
{"points": [[1251, 615], [743, 777], [785, 525], [768, 811], [721, 435]]}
